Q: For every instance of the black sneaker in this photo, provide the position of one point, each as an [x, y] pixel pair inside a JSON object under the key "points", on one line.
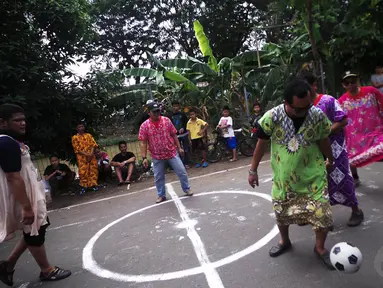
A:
{"points": [[5, 276], [56, 275], [356, 219]]}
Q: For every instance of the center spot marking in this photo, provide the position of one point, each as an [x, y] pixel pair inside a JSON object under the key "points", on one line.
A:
{"points": [[90, 264]]}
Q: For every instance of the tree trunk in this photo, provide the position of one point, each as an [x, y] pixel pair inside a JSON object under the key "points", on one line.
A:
{"points": [[314, 48]]}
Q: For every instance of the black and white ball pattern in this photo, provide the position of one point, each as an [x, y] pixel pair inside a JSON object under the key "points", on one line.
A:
{"points": [[346, 258]]}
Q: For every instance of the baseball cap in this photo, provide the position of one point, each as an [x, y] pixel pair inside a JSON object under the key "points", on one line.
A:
{"points": [[154, 107], [349, 74]]}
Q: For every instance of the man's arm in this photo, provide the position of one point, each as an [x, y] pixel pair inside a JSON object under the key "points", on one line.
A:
{"points": [[48, 177], [10, 163], [259, 152], [325, 148], [176, 141], [17, 187], [338, 126], [375, 83], [144, 148]]}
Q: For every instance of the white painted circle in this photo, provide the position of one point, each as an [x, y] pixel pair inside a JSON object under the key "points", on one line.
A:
{"points": [[92, 266]]}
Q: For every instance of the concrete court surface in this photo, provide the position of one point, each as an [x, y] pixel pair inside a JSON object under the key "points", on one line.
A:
{"points": [[218, 238]]}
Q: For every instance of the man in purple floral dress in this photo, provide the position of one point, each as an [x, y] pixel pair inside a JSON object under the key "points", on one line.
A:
{"points": [[340, 180]]}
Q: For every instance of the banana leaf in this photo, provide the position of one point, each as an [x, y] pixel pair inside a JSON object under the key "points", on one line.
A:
{"points": [[204, 45], [179, 78], [141, 72]]}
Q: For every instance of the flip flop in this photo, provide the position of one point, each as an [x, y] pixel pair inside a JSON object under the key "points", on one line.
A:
{"points": [[325, 258], [280, 249]]}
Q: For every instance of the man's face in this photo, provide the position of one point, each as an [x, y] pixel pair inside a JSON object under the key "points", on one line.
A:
{"points": [[176, 108], [55, 161], [379, 70], [123, 148], [16, 124], [97, 152], [80, 128], [192, 116], [300, 107], [257, 109], [226, 113], [155, 115], [351, 84]]}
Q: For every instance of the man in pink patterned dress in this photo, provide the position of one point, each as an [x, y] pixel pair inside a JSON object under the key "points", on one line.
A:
{"points": [[159, 135], [364, 132]]}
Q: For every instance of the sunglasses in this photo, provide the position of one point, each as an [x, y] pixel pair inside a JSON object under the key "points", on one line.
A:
{"points": [[349, 82], [301, 110]]}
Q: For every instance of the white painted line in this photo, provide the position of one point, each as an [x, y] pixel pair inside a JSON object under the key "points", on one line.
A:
{"points": [[211, 274], [90, 264], [69, 225], [152, 187], [24, 285]]}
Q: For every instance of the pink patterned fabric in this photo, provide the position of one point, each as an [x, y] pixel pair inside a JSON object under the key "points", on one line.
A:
{"points": [[160, 138], [364, 132]]}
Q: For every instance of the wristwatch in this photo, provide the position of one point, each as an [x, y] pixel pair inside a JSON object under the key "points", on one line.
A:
{"points": [[251, 172]]}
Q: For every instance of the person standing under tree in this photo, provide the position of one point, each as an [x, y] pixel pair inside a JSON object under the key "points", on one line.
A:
{"points": [[226, 126], [180, 120], [340, 180], [83, 146], [364, 132], [197, 130], [23, 205], [377, 78], [299, 138], [160, 135]]}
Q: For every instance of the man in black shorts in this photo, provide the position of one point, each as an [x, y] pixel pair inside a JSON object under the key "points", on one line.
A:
{"points": [[124, 163], [23, 206], [197, 130]]}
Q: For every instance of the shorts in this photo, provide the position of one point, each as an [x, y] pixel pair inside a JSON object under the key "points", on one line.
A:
{"points": [[231, 143], [198, 144], [39, 240]]}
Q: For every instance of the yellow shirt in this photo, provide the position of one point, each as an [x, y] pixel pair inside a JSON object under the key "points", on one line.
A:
{"points": [[194, 127]]}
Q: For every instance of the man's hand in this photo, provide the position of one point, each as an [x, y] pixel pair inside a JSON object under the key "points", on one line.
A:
{"points": [[182, 152], [181, 131], [253, 180], [145, 163], [329, 164], [28, 217]]}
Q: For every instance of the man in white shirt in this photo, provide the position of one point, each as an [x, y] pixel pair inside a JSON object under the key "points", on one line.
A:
{"points": [[377, 78], [226, 126]]}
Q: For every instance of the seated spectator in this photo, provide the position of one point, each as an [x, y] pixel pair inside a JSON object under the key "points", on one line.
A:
{"points": [[59, 176], [104, 168], [124, 163]]}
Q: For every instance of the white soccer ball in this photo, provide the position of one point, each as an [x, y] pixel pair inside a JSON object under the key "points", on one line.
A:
{"points": [[346, 258]]}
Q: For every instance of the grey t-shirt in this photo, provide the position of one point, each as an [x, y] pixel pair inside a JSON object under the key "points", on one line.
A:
{"points": [[378, 79]]}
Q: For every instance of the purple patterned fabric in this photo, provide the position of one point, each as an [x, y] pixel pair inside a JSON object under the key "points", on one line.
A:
{"points": [[340, 180]]}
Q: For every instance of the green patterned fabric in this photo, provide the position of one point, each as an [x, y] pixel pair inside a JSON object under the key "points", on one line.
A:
{"points": [[299, 170], [296, 160]]}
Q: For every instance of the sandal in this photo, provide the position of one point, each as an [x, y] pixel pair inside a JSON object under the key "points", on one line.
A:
{"points": [[325, 258], [5, 276], [56, 275], [278, 250]]}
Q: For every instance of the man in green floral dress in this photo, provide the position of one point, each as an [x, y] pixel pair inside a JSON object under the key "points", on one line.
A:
{"points": [[300, 152]]}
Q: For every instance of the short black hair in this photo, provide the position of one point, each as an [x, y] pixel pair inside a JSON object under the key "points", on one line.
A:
{"points": [[226, 108], [8, 110], [193, 110], [308, 76], [176, 102], [257, 104], [298, 88], [121, 142], [54, 155]]}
